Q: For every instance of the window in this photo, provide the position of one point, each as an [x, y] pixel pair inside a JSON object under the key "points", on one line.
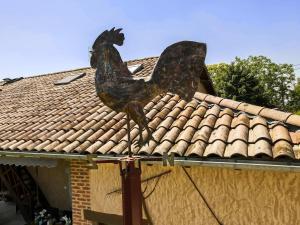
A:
{"points": [[69, 79]]}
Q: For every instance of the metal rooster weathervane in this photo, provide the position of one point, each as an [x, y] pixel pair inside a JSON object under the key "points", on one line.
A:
{"points": [[180, 70]]}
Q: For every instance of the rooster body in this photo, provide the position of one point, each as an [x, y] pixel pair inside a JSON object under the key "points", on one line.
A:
{"points": [[180, 70]]}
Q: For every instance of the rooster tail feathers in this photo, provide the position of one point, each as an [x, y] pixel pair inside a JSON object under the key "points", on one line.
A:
{"points": [[181, 70]]}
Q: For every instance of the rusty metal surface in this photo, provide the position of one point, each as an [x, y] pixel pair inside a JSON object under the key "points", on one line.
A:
{"points": [[180, 69], [131, 193]]}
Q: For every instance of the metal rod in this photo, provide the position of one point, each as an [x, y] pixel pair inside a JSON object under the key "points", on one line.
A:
{"points": [[202, 196], [131, 193], [128, 135]]}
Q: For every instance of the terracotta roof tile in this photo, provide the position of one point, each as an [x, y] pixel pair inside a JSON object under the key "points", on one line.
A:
{"points": [[36, 115], [274, 114], [215, 149], [230, 103], [294, 120], [237, 148], [295, 136], [259, 148], [280, 132], [296, 150], [197, 148], [282, 148]]}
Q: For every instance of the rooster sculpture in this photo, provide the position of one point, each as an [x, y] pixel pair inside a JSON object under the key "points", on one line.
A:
{"points": [[180, 70]]}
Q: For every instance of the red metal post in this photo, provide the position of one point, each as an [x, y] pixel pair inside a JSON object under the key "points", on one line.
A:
{"points": [[131, 192]]}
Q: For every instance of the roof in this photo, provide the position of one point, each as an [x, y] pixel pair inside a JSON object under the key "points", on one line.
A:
{"points": [[38, 116]]}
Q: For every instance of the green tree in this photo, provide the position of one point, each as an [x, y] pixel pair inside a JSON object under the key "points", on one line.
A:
{"points": [[240, 84], [294, 103], [275, 81]]}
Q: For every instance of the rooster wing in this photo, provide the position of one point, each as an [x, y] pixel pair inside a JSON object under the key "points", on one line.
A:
{"points": [[181, 70]]}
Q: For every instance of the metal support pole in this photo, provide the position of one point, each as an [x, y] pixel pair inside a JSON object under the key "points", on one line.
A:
{"points": [[128, 135], [131, 192]]}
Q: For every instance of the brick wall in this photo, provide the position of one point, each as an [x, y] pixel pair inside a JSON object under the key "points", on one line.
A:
{"points": [[81, 194]]}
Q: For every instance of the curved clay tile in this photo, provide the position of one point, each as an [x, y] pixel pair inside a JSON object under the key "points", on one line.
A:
{"points": [[94, 147], [51, 146], [56, 135], [215, 110], [280, 132], [40, 146], [71, 135], [240, 119], [213, 99], [83, 146], [61, 146], [208, 121], [72, 147], [260, 147], [121, 144], [196, 148], [282, 148], [107, 147], [295, 137], [225, 120], [230, 103], [44, 135], [249, 108], [4, 144], [204, 104], [200, 96], [274, 114], [219, 134], [294, 120], [179, 148], [216, 148], [157, 135], [226, 111], [25, 144], [84, 136], [15, 145], [238, 147], [296, 150], [200, 111], [202, 134], [193, 103], [241, 132], [163, 147], [119, 148], [259, 132], [193, 122], [31, 146], [258, 120], [183, 140]]}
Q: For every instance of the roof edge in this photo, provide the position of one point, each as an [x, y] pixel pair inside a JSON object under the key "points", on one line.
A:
{"points": [[265, 112], [82, 68], [178, 161]]}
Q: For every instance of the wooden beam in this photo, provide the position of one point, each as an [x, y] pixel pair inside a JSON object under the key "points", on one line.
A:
{"points": [[105, 218]]}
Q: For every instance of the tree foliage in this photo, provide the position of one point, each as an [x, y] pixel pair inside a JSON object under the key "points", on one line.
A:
{"points": [[294, 103], [256, 80]]}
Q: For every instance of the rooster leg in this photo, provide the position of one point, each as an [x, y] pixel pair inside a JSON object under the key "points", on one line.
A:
{"points": [[128, 135], [135, 109]]}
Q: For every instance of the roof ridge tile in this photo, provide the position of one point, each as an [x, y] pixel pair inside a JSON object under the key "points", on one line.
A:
{"points": [[265, 112]]}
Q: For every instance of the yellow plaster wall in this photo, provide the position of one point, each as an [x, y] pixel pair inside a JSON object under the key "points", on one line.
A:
{"points": [[236, 196], [55, 184]]}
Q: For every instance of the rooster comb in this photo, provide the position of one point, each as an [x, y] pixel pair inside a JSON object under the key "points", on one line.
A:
{"points": [[110, 37]]}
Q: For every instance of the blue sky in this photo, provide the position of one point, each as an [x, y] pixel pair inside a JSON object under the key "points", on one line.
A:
{"points": [[47, 36]]}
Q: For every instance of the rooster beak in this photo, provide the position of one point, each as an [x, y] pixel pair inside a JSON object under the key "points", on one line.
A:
{"points": [[93, 60]]}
